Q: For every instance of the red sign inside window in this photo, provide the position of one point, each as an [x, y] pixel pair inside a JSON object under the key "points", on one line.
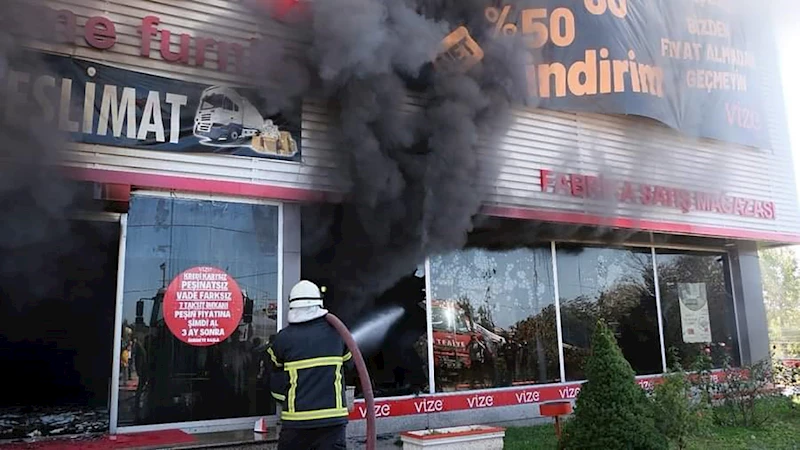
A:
{"points": [[203, 306]]}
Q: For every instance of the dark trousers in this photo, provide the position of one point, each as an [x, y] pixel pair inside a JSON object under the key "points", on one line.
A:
{"points": [[328, 438]]}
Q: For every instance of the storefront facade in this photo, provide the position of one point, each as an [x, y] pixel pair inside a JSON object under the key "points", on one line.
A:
{"points": [[672, 264]]}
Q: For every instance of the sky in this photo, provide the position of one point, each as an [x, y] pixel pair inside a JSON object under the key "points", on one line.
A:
{"points": [[786, 16]]}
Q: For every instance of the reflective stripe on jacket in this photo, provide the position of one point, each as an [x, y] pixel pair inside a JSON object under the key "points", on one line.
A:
{"points": [[307, 374]]}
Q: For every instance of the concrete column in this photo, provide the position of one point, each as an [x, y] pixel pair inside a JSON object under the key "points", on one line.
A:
{"points": [[749, 298], [291, 253]]}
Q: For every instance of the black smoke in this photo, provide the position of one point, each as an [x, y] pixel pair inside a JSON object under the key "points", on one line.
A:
{"points": [[415, 176], [35, 197], [49, 264]]}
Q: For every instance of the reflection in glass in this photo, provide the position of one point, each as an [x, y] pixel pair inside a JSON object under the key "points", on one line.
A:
{"points": [[493, 319], [616, 285], [163, 379], [698, 309]]}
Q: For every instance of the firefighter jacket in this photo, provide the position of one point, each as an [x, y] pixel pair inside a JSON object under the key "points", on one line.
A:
{"points": [[307, 364]]}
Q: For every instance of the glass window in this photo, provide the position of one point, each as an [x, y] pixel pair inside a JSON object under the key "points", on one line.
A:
{"points": [[200, 303], [616, 285], [493, 319], [391, 331], [697, 305], [400, 364], [212, 101]]}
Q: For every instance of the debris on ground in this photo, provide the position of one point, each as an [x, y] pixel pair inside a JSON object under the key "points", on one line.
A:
{"points": [[36, 422]]}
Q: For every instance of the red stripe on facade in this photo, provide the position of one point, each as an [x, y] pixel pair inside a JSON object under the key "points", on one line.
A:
{"points": [[473, 400], [201, 185], [189, 184]]}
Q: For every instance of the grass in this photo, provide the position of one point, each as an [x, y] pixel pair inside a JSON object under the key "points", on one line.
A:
{"points": [[782, 432], [529, 438]]}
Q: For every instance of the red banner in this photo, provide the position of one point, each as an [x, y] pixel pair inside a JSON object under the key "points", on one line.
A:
{"points": [[472, 400], [203, 306]]}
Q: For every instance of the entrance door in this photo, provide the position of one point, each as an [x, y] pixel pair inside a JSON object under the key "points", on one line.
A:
{"points": [[56, 334], [199, 305]]}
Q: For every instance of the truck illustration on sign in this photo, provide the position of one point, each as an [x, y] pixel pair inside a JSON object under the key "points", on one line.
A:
{"points": [[226, 118]]}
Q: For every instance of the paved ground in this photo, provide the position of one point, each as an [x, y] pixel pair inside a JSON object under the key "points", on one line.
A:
{"points": [[245, 440], [384, 443], [252, 447]]}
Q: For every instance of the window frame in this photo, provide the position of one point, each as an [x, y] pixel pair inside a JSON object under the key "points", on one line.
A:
{"points": [[728, 279], [429, 312], [724, 252], [200, 425]]}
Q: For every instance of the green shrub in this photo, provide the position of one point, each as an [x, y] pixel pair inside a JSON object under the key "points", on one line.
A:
{"points": [[737, 392], [680, 414], [787, 378], [704, 383], [612, 412], [741, 390]]}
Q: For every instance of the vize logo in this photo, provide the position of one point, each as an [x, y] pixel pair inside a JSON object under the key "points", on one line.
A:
{"points": [[742, 117], [569, 392], [429, 406], [480, 401], [384, 410], [528, 397]]}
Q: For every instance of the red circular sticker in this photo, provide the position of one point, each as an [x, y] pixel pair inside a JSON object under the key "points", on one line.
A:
{"points": [[203, 306]]}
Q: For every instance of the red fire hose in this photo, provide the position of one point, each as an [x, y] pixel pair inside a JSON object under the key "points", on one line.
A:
{"points": [[363, 376]]}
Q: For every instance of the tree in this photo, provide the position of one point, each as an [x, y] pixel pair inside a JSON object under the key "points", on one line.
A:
{"points": [[612, 411], [465, 304], [781, 280], [538, 339], [680, 412], [485, 317]]}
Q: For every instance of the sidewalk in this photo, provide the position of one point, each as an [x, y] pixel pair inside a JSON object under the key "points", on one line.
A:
{"points": [[384, 443], [177, 440]]}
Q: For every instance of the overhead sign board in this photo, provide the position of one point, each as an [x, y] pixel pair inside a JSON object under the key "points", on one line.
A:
{"points": [[100, 104]]}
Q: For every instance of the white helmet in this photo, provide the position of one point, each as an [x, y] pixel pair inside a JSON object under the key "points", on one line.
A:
{"points": [[305, 294], [305, 302]]}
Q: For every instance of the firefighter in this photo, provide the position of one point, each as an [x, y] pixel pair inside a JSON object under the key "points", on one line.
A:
{"points": [[307, 362]]}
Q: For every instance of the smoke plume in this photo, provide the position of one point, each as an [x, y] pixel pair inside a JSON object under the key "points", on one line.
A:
{"points": [[415, 178], [35, 199]]}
